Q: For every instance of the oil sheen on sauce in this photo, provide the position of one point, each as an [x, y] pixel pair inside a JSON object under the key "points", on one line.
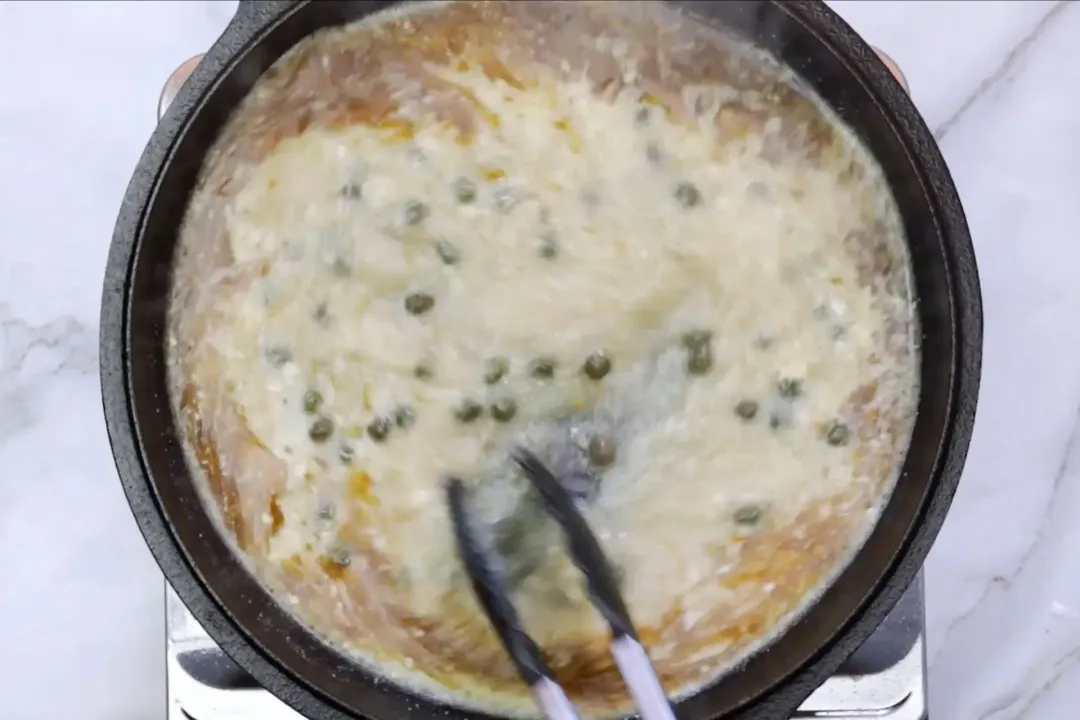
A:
{"points": [[687, 325]]}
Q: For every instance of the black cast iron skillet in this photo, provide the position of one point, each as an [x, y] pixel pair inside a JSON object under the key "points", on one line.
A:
{"points": [[321, 683]]}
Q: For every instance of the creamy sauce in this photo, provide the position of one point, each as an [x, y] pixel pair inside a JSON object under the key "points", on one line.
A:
{"points": [[686, 323]]}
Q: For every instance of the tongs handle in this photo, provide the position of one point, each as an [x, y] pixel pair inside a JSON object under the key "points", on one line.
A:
{"points": [[630, 656], [500, 611]]}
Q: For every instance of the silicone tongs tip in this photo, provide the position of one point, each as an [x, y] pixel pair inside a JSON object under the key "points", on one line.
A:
{"points": [[630, 655]]}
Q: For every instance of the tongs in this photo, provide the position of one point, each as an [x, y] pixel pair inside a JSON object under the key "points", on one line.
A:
{"points": [[630, 656]]}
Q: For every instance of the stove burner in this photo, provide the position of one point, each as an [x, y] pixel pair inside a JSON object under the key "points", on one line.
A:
{"points": [[885, 679]]}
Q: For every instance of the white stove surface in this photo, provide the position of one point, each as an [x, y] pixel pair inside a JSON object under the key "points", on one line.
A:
{"points": [[893, 689]]}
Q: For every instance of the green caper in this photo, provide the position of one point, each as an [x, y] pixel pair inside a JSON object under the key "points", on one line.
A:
{"points": [[601, 450], [416, 212], [404, 417], [418, 303], [746, 409], [549, 246], [379, 429], [313, 400], [687, 195], [469, 411], [543, 368], [789, 388], [346, 454], [776, 421], [749, 515], [278, 356], [504, 409], [699, 360], [423, 372], [321, 430], [351, 190], [597, 365], [340, 268], [325, 511], [321, 315], [653, 153], [838, 434], [693, 339], [495, 369], [447, 251], [464, 190]]}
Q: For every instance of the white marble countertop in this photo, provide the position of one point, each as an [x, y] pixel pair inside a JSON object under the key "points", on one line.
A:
{"points": [[81, 608]]}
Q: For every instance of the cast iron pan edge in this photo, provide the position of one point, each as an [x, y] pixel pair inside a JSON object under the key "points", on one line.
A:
{"points": [[251, 17], [254, 17]]}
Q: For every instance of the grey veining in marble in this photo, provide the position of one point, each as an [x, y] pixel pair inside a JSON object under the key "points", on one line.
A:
{"points": [[81, 599]]}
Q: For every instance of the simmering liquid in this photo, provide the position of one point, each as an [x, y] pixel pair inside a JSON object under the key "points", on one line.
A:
{"points": [[639, 248]]}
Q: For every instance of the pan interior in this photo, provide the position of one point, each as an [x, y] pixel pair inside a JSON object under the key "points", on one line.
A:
{"points": [[332, 673]]}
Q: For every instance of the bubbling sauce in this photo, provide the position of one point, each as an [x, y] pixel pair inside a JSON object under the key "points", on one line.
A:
{"points": [[652, 256]]}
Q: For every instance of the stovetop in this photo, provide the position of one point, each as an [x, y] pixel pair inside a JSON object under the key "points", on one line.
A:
{"points": [[885, 679]]}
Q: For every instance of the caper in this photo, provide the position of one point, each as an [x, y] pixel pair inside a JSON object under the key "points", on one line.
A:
{"points": [[495, 369], [448, 252], [543, 368], [313, 400], [601, 450], [416, 212], [418, 303], [321, 315], [687, 195], [504, 409], [746, 409], [352, 191], [325, 512], [404, 417], [699, 361], [423, 372], [549, 246], [789, 388], [642, 116], [749, 515], [776, 421], [597, 365], [321, 430], [464, 191], [469, 411], [346, 454], [278, 356], [339, 268], [838, 434], [692, 339], [590, 199], [653, 153], [379, 429]]}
